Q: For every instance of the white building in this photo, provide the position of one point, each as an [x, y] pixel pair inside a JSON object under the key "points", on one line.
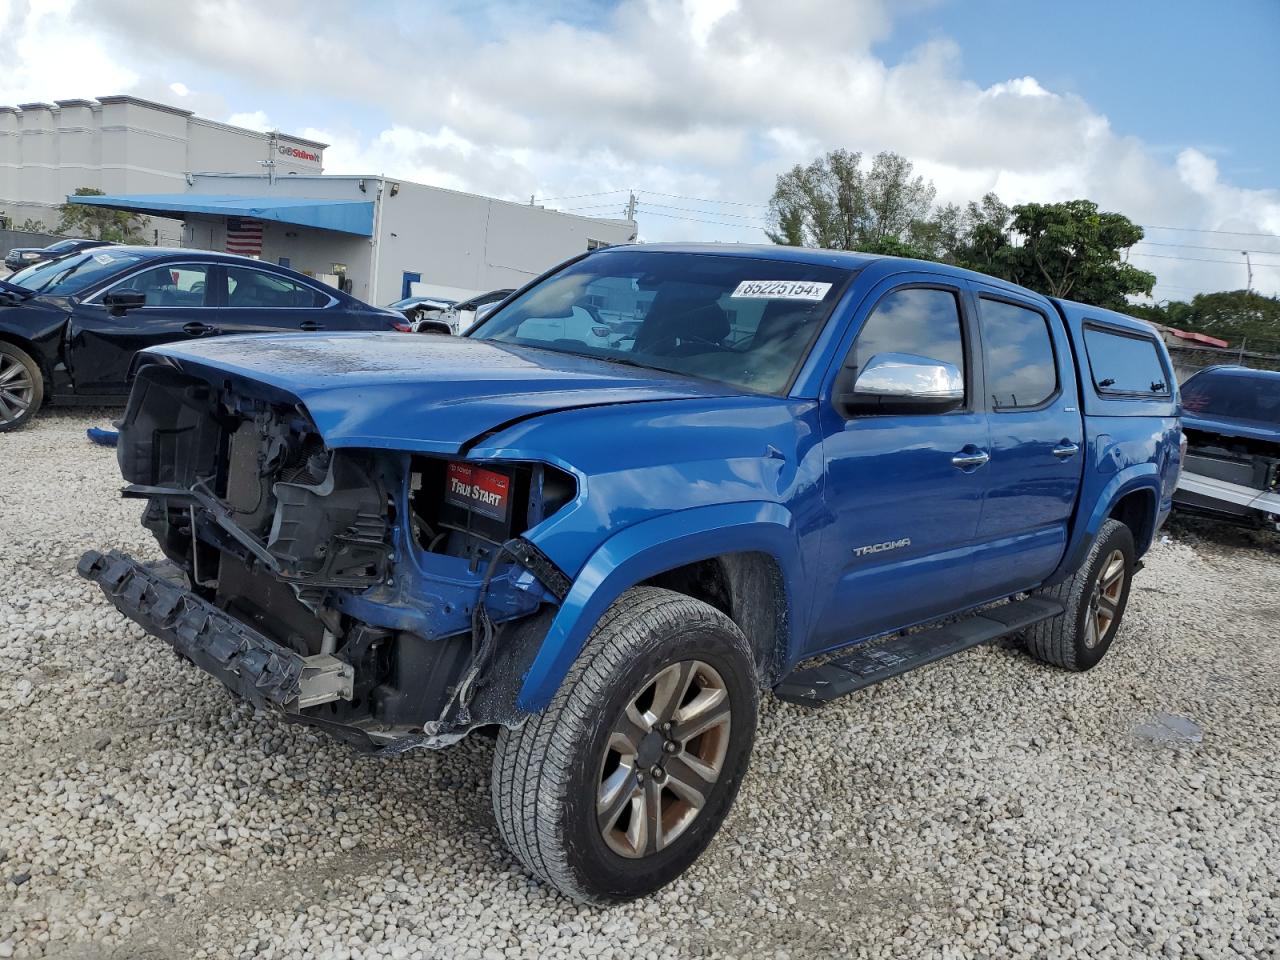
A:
{"points": [[385, 238], [126, 145], [218, 187]]}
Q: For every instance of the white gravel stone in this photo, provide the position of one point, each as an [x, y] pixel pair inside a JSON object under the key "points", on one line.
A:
{"points": [[988, 806]]}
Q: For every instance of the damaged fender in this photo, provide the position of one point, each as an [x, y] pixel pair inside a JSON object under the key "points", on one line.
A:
{"points": [[645, 550]]}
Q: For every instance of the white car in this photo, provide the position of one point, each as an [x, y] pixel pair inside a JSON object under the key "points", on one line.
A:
{"points": [[461, 317], [422, 311], [577, 327]]}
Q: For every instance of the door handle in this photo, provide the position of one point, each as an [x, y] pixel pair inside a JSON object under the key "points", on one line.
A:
{"points": [[1066, 449], [310, 325], [972, 459], [197, 329]]}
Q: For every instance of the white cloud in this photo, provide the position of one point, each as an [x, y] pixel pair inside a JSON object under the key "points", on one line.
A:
{"points": [[46, 57], [253, 120], [701, 98], [180, 89]]}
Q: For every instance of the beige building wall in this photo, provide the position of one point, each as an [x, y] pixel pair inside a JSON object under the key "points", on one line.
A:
{"points": [[123, 144]]}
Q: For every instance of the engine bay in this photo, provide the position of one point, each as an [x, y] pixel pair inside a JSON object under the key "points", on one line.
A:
{"points": [[394, 573]]}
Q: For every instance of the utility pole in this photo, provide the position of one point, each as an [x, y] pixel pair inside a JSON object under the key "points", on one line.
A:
{"points": [[1249, 267], [631, 205], [273, 138]]}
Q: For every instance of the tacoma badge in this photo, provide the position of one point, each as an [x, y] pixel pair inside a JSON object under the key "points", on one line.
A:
{"points": [[881, 547]]}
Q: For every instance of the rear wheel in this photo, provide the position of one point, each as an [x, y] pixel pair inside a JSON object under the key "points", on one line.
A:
{"points": [[21, 387], [1095, 599], [620, 784]]}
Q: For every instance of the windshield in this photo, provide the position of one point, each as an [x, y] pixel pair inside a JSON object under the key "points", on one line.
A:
{"points": [[744, 321], [1233, 397], [70, 275], [62, 245]]}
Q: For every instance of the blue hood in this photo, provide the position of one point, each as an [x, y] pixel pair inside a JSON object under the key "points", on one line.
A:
{"points": [[420, 392], [1247, 429]]}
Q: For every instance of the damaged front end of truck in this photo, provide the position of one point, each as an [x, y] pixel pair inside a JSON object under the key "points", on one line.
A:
{"points": [[388, 597]]}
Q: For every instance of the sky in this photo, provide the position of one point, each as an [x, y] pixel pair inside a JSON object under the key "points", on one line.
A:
{"points": [[1164, 111]]}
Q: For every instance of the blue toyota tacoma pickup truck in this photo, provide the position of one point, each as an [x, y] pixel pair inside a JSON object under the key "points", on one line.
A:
{"points": [[751, 469]]}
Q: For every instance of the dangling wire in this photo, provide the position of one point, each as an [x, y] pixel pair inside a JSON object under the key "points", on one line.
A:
{"points": [[484, 637]]}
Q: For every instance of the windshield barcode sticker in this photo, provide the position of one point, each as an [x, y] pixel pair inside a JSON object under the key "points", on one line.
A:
{"points": [[781, 290]]}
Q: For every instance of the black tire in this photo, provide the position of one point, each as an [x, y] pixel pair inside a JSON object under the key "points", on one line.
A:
{"points": [[548, 773], [21, 387], [1068, 641]]}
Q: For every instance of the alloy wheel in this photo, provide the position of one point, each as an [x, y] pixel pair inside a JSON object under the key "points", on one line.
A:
{"points": [[664, 755], [17, 389], [1105, 599]]}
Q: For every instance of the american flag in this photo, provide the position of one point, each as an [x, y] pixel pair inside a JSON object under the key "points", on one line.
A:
{"points": [[244, 237]]}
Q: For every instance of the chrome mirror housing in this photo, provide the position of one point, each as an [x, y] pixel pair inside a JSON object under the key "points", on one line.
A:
{"points": [[904, 376], [904, 382]]}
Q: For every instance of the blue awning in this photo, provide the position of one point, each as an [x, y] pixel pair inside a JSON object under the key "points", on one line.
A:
{"points": [[343, 216]]}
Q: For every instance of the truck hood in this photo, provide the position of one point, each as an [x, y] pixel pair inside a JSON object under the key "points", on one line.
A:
{"points": [[421, 392], [1245, 429]]}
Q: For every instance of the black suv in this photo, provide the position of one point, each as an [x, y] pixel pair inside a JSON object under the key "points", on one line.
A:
{"points": [[69, 328]]}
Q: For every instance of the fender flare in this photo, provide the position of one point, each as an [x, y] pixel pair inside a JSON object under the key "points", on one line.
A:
{"points": [[645, 550], [1140, 476]]}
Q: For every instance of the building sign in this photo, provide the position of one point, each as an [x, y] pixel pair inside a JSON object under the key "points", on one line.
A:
{"points": [[297, 153]]}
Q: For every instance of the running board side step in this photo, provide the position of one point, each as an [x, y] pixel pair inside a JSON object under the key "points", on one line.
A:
{"points": [[868, 664]]}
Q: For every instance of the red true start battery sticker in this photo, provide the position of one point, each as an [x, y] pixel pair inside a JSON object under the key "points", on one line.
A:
{"points": [[482, 491]]}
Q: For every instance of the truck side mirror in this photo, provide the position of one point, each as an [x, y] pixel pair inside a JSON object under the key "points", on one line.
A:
{"points": [[904, 383], [118, 301]]}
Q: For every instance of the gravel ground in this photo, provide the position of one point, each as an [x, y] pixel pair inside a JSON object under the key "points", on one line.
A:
{"points": [[985, 807]]}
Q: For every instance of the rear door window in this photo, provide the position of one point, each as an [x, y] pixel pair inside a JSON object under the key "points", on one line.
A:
{"points": [[257, 288], [1021, 370], [1125, 364]]}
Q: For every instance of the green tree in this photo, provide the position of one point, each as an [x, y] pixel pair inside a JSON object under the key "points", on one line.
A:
{"points": [[837, 204], [1236, 313], [1233, 315], [975, 236], [99, 223], [31, 225], [1072, 250]]}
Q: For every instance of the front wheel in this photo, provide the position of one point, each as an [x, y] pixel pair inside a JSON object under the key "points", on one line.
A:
{"points": [[1095, 599], [21, 387], [621, 783]]}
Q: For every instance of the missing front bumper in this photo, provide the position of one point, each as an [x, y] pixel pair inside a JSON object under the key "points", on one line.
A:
{"points": [[1219, 496], [249, 664]]}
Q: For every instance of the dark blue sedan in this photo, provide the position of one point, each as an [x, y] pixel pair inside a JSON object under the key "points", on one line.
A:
{"points": [[69, 328], [1231, 425]]}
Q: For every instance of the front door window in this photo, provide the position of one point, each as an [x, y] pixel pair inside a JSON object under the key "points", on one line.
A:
{"points": [[182, 285]]}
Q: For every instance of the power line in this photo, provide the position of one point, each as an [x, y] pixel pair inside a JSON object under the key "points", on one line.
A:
{"points": [[1235, 233], [681, 196], [714, 213], [765, 206], [1230, 263], [593, 206], [578, 196], [1195, 246], [1174, 286], [716, 223]]}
